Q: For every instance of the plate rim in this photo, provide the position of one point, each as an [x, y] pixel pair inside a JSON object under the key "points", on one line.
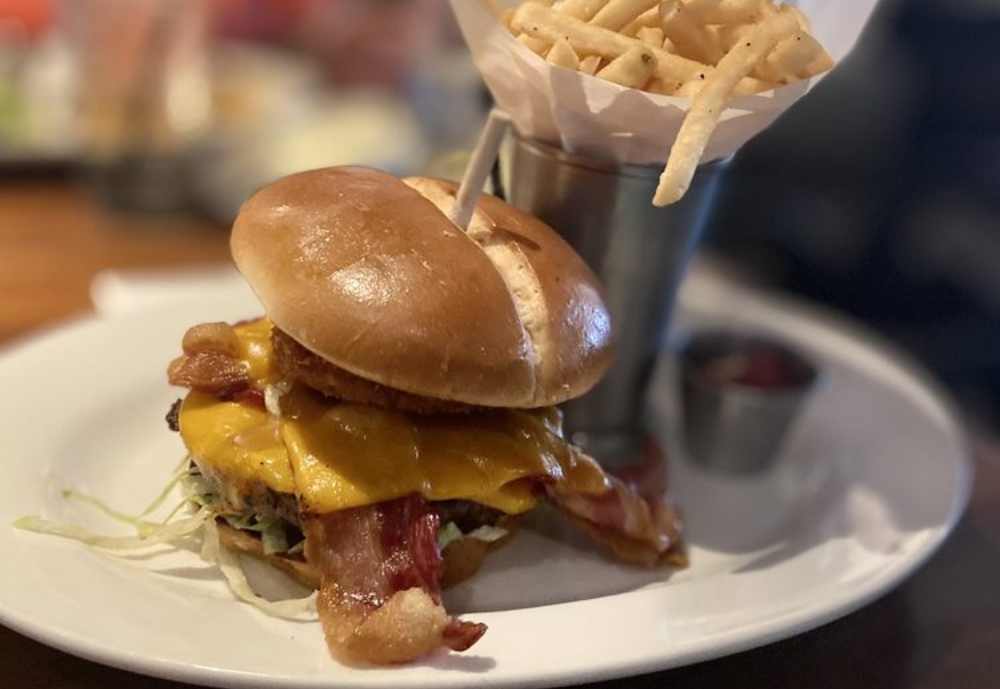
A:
{"points": [[782, 626]]}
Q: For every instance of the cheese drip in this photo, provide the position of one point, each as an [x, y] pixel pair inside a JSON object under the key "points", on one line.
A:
{"points": [[337, 455]]}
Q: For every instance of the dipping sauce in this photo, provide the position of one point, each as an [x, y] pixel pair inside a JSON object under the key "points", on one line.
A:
{"points": [[758, 366], [740, 393]]}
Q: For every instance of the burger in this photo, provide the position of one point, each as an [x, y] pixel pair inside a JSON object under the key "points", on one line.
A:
{"points": [[392, 416]]}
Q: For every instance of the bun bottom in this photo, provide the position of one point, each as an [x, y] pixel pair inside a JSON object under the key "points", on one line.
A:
{"points": [[249, 544], [462, 558]]}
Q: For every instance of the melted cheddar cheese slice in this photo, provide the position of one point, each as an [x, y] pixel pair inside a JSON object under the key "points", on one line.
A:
{"points": [[236, 442], [334, 455]]}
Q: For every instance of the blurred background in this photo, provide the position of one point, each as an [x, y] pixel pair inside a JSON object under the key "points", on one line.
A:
{"points": [[131, 130]]}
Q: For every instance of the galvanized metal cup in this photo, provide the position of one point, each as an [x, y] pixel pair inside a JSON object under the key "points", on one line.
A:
{"points": [[731, 424], [640, 252]]}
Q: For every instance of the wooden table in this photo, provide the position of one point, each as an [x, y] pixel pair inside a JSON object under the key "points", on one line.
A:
{"points": [[939, 630], [55, 238]]}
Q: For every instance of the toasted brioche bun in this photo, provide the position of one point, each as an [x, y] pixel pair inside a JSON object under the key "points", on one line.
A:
{"points": [[462, 558], [366, 271], [250, 544]]}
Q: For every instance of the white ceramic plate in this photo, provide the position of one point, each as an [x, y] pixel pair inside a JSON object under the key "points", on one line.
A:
{"points": [[873, 479]]}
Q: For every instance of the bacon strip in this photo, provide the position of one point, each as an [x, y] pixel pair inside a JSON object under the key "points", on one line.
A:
{"points": [[252, 397], [217, 338], [380, 594], [633, 520], [208, 372], [210, 362]]}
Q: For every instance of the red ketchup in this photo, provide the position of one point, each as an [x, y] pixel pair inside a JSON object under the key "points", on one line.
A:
{"points": [[761, 368]]}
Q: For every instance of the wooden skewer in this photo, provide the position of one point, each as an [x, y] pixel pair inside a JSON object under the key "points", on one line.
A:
{"points": [[479, 167]]}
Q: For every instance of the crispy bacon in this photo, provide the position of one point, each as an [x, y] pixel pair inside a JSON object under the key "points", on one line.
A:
{"points": [[648, 476], [380, 594], [209, 372], [632, 518], [252, 397], [218, 338], [210, 363]]}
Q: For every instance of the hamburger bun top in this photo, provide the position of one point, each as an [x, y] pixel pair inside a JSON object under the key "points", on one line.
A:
{"points": [[367, 271]]}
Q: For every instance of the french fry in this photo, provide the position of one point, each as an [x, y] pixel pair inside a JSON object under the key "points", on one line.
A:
{"points": [[796, 57], [633, 69], [705, 50], [535, 45], [659, 86], [799, 15], [648, 19], [762, 85], [536, 20], [581, 9], [590, 64], [708, 105], [690, 89], [729, 35], [549, 26], [691, 38], [651, 35], [726, 11], [619, 13], [563, 55], [586, 39]]}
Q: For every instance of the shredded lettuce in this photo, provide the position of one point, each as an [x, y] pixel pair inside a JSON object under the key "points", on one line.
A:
{"points": [[449, 533], [274, 537], [487, 533], [163, 533], [141, 525], [182, 470], [273, 533], [296, 609], [135, 521], [199, 490], [148, 533], [241, 521]]}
